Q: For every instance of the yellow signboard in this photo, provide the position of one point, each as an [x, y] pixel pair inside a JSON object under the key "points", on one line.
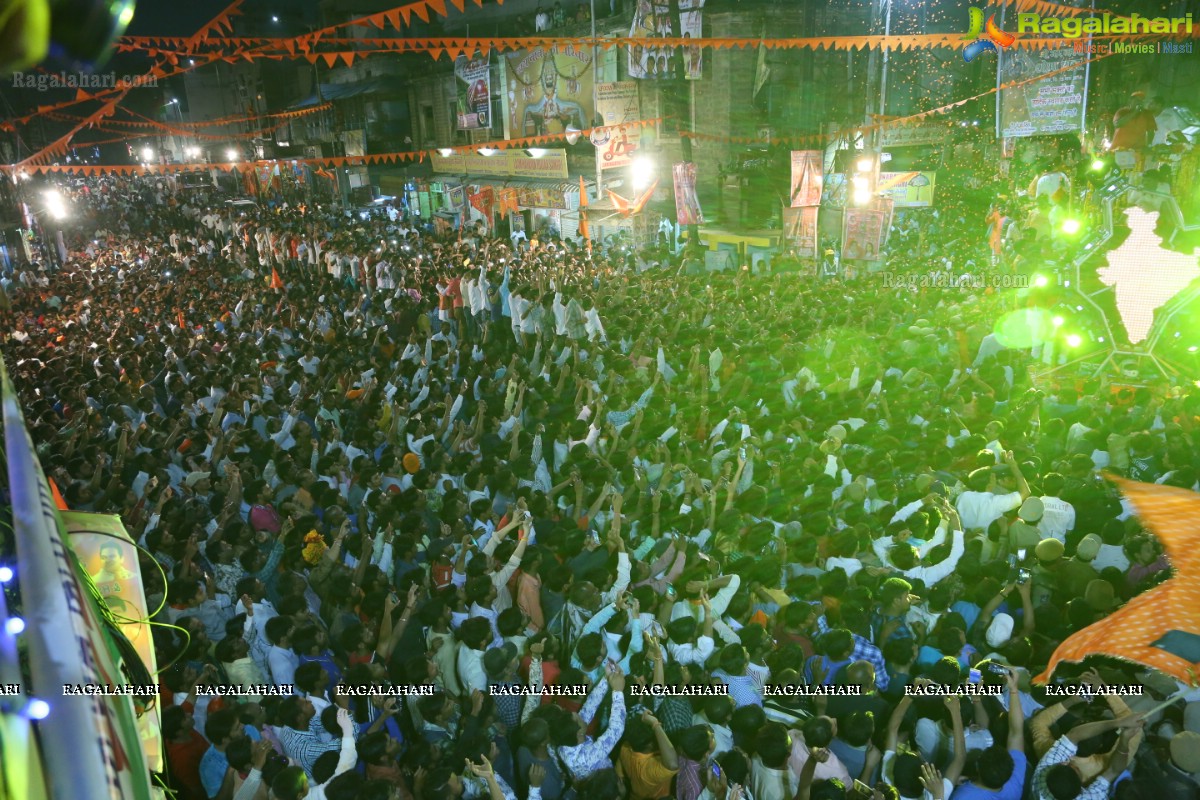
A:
{"points": [[908, 189], [504, 164]]}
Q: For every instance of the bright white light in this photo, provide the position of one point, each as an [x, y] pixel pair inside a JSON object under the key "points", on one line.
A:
{"points": [[446, 152], [147, 154], [642, 171], [487, 151], [536, 152], [1041, 281], [55, 204], [1074, 340], [865, 164], [231, 154], [1057, 322], [37, 709], [1144, 275], [1193, 349], [174, 100], [192, 152], [6, 574], [274, 18], [861, 197], [14, 626], [1070, 226]]}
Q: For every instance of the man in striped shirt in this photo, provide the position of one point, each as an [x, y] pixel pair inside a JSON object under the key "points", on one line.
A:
{"points": [[302, 733]]}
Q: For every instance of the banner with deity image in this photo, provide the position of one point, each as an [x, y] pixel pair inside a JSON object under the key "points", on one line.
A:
{"points": [[548, 91], [807, 177], [473, 86], [651, 20], [687, 204], [800, 230]]}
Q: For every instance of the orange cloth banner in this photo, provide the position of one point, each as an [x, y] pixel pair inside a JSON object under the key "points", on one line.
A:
{"points": [[1161, 627]]}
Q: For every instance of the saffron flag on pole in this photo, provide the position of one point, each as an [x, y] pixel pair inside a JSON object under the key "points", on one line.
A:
{"points": [[583, 216], [1159, 628]]}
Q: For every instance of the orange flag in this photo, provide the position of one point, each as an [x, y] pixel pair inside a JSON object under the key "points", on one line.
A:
{"points": [[276, 281], [583, 216], [59, 502], [1159, 628]]}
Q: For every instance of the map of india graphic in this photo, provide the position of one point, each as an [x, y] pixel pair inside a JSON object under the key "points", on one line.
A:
{"points": [[1144, 274]]}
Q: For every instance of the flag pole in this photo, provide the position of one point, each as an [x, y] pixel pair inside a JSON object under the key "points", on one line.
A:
{"points": [[1172, 700]]}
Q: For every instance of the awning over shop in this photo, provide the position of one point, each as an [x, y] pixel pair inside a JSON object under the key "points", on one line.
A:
{"points": [[341, 91]]}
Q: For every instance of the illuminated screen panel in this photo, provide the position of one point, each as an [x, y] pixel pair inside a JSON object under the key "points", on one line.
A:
{"points": [[1144, 274]]}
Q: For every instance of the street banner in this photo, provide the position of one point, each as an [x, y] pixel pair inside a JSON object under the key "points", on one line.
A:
{"points": [[653, 20], [90, 744], [456, 196], [1052, 105], [908, 189], [109, 557], [909, 134], [800, 229], [617, 104], [549, 90], [473, 85], [862, 231], [551, 166], [886, 206], [687, 204], [807, 177]]}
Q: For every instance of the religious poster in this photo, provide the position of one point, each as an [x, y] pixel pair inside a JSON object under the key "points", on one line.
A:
{"points": [[652, 20], [616, 104], [800, 229], [807, 177], [549, 91], [1052, 105], [473, 85], [687, 204], [862, 231], [456, 196]]}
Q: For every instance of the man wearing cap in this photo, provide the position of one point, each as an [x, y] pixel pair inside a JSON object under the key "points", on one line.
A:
{"points": [[1048, 553], [1077, 572], [1179, 777]]}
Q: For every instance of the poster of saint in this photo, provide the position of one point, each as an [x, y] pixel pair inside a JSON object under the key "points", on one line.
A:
{"points": [[548, 91]]}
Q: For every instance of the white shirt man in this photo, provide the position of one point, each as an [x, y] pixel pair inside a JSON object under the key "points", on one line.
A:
{"points": [[978, 510], [1057, 519]]}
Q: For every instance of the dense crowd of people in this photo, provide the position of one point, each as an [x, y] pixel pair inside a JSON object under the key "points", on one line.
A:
{"points": [[595, 524]]}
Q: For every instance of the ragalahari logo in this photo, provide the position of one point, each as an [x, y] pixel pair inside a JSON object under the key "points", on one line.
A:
{"points": [[984, 38]]}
